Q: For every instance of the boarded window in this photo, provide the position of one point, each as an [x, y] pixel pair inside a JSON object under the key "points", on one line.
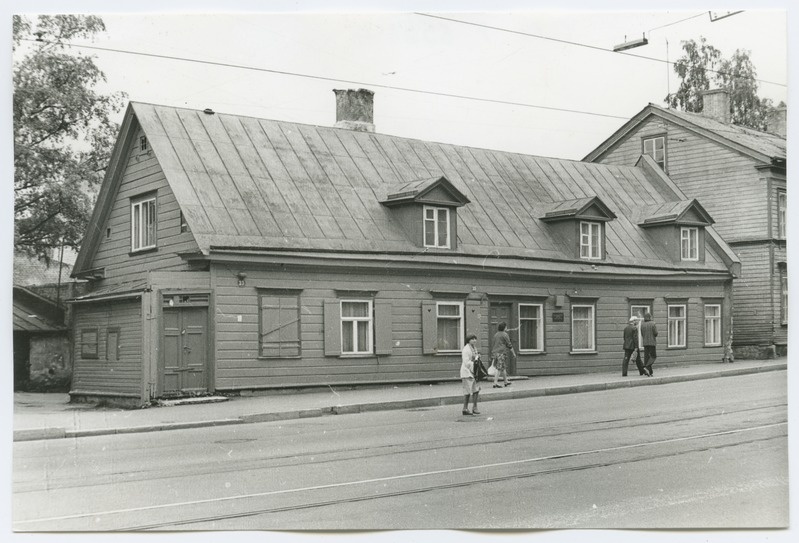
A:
{"points": [[112, 345], [280, 325], [89, 343]]}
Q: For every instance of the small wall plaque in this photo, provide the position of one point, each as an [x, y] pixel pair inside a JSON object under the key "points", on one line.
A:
{"points": [[557, 316]]}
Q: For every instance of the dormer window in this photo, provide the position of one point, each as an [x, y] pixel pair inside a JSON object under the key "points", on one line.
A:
{"points": [[580, 224], [689, 243], [436, 227], [143, 146], [590, 240], [656, 148]]}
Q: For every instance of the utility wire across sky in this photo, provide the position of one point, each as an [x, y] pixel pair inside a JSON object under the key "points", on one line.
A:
{"points": [[334, 79]]}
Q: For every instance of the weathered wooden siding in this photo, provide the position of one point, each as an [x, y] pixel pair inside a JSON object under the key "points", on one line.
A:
{"points": [[725, 182], [780, 330], [142, 174], [238, 365], [122, 376], [754, 305]]}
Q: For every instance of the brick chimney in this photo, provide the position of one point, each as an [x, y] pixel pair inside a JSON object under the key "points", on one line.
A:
{"points": [[777, 121], [355, 109], [716, 105]]}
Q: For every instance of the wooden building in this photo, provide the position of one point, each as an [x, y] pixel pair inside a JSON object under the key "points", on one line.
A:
{"points": [[231, 253], [739, 175]]}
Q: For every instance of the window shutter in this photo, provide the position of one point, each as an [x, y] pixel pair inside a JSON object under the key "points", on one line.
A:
{"points": [[383, 327], [429, 328], [332, 328], [473, 314]]}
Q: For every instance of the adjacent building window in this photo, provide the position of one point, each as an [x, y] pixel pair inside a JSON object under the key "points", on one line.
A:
{"points": [[449, 326], [436, 227], [583, 337], [279, 325], [590, 240], [184, 226], [784, 293], [676, 322], [531, 327], [142, 223], [89, 338], [712, 325], [689, 243], [782, 205], [656, 148], [143, 143], [356, 326]]}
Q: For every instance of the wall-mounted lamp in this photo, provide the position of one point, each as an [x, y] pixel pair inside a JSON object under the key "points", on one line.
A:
{"points": [[241, 279], [630, 44]]}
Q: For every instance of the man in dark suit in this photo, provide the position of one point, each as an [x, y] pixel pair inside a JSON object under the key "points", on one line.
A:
{"points": [[649, 333], [631, 346]]}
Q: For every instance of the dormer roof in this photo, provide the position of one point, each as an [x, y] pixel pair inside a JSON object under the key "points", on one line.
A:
{"points": [[431, 190], [591, 207], [681, 213]]}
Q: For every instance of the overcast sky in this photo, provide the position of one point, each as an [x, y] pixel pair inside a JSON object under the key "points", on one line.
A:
{"points": [[557, 91], [539, 82]]}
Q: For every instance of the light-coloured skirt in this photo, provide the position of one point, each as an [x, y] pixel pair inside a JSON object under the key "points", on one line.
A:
{"points": [[470, 386]]}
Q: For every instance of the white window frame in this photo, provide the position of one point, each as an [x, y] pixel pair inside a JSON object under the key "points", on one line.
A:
{"points": [[354, 320], [592, 252], [651, 149], [461, 324], [689, 235], [433, 223], [675, 324], [138, 230], [713, 325], [540, 328], [593, 329], [782, 213]]}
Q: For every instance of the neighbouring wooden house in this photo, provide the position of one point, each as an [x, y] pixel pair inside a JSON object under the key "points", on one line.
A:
{"points": [[739, 175], [231, 253]]}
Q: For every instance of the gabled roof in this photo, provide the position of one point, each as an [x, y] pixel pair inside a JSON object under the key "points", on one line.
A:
{"points": [[762, 146], [253, 184], [579, 208], [34, 313], [433, 190], [682, 212], [35, 271]]}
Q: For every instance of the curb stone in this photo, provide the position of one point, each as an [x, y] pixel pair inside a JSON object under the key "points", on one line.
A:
{"points": [[60, 433]]}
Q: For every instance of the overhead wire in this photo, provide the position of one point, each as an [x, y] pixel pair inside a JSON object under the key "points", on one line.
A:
{"points": [[577, 44], [337, 80]]}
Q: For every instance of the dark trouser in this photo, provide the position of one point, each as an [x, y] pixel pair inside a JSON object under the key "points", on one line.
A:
{"points": [[627, 354], [650, 355]]}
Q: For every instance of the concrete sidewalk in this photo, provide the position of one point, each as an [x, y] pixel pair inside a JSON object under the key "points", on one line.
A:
{"points": [[50, 416]]}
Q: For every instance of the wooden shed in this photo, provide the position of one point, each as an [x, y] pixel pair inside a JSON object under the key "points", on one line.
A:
{"points": [[739, 175], [232, 253]]}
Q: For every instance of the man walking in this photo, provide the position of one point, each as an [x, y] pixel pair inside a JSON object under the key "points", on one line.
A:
{"points": [[649, 333], [631, 346]]}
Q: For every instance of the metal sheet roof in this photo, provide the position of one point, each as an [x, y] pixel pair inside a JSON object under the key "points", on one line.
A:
{"points": [[247, 182]]}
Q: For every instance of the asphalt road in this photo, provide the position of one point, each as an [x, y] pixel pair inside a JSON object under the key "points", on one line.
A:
{"points": [[700, 454]]}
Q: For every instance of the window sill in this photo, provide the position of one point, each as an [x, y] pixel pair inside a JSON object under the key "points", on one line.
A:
{"points": [[712, 346], [583, 352], [678, 348], [143, 251], [279, 357], [356, 355], [532, 353]]}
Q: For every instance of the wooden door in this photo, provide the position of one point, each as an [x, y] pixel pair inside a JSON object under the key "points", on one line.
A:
{"points": [[185, 350], [497, 313]]}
